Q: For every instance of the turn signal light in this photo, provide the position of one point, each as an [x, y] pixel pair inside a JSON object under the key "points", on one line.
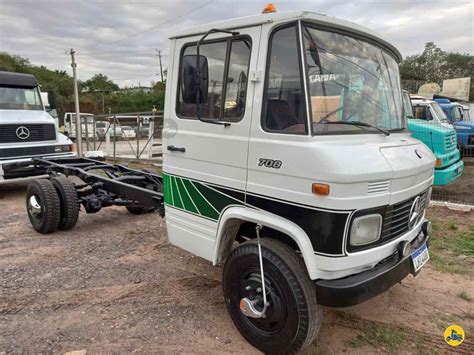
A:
{"points": [[269, 9], [320, 189], [439, 163]]}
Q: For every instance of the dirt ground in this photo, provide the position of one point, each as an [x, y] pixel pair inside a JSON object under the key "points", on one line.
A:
{"points": [[114, 283], [460, 191]]}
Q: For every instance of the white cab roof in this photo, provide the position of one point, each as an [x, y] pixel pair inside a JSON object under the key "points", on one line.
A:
{"points": [[282, 17]]}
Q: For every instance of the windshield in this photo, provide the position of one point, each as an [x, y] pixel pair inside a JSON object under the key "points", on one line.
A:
{"points": [[351, 80], [439, 113], [84, 118], [466, 114], [407, 108], [20, 99]]}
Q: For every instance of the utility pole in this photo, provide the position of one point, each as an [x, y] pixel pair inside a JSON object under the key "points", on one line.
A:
{"points": [[158, 53], [76, 101]]}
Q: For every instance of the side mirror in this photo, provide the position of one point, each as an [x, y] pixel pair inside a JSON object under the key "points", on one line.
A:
{"points": [[189, 82], [52, 100]]}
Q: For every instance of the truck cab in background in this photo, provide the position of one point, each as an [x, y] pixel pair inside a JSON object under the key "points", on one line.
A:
{"points": [[87, 125], [26, 129], [458, 115], [427, 122]]}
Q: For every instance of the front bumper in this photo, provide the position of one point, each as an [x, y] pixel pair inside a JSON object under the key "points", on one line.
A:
{"points": [[355, 289], [449, 174]]}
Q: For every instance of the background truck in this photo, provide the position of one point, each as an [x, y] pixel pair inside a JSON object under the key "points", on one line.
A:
{"points": [[458, 115], [87, 125], [26, 129], [427, 122], [308, 199]]}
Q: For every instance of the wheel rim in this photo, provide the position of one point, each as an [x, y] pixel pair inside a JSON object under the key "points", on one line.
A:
{"points": [[34, 207], [276, 313]]}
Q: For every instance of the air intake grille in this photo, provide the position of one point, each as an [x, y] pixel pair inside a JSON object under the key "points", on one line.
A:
{"points": [[378, 187], [450, 141], [37, 133]]}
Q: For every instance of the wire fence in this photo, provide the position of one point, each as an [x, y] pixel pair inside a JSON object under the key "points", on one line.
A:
{"points": [[135, 136], [138, 136]]}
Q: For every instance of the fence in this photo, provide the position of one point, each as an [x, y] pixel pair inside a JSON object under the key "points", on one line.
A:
{"points": [[123, 136], [138, 136]]}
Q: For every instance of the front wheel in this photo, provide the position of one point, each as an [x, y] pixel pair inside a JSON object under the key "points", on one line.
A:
{"points": [[43, 206], [293, 317]]}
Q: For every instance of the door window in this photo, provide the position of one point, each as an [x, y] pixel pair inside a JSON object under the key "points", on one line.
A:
{"points": [[228, 62], [284, 108]]}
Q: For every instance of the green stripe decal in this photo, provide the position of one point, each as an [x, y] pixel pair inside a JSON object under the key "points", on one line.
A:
{"points": [[203, 206], [176, 197], [195, 197], [188, 203]]}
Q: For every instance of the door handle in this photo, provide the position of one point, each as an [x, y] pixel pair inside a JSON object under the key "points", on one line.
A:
{"points": [[172, 148]]}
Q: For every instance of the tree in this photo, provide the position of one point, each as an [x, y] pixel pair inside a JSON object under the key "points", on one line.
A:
{"points": [[435, 65], [99, 83]]}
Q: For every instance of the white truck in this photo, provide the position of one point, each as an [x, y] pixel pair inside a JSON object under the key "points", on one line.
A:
{"points": [[287, 159], [87, 125], [26, 129]]}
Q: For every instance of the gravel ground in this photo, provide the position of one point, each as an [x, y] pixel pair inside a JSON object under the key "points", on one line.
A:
{"points": [[114, 283]]}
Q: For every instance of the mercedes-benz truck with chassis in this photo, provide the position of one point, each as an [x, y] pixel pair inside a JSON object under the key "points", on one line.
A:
{"points": [[26, 129], [286, 158]]}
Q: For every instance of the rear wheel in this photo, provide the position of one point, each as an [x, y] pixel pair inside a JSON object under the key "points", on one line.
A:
{"points": [[43, 206], [68, 200], [293, 317]]}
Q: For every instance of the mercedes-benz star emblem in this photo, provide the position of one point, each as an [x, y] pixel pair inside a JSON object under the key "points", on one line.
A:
{"points": [[22, 132], [416, 212]]}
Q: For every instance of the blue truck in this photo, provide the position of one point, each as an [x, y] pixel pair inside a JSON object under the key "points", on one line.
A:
{"points": [[464, 127], [428, 123]]}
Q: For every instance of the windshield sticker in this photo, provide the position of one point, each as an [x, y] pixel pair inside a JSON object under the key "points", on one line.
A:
{"points": [[319, 78]]}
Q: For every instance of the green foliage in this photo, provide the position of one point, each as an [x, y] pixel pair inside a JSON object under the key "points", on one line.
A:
{"points": [[379, 335], [435, 65], [96, 92]]}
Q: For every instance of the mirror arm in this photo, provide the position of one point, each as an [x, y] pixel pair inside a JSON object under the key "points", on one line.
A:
{"points": [[198, 75]]}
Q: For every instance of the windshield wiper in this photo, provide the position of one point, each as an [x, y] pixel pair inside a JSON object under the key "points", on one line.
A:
{"points": [[358, 124]]}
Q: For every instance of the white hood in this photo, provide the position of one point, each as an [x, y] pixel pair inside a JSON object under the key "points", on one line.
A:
{"points": [[25, 116]]}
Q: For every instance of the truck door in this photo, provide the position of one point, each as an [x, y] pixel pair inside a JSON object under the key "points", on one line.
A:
{"points": [[205, 164]]}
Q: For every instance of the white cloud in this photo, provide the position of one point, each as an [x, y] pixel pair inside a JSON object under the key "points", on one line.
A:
{"points": [[44, 30]]}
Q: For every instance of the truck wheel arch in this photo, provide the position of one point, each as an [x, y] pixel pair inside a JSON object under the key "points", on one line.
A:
{"points": [[231, 219]]}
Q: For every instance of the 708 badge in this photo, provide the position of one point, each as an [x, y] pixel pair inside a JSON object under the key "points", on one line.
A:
{"points": [[270, 163]]}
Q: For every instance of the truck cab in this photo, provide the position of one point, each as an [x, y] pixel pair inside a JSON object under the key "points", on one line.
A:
{"points": [[287, 157], [429, 124], [26, 129], [458, 115], [87, 125]]}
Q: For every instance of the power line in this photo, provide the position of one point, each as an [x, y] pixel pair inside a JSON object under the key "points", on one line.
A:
{"points": [[151, 28]]}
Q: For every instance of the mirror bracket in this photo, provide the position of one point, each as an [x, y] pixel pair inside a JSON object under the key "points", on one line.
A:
{"points": [[198, 75]]}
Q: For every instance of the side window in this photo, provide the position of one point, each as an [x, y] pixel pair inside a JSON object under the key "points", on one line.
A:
{"points": [[224, 102], [284, 109], [423, 113]]}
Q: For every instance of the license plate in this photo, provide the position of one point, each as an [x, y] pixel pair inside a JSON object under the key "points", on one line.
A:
{"points": [[420, 257]]}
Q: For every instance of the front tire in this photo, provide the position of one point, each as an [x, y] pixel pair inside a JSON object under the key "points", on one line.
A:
{"points": [[43, 206], [293, 317]]}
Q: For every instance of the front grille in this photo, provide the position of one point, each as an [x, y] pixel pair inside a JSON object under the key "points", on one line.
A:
{"points": [[38, 133], [25, 151], [396, 218], [450, 141]]}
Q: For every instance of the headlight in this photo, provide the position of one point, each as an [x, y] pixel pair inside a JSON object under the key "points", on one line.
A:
{"points": [[62, 148], [365, 229]]}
